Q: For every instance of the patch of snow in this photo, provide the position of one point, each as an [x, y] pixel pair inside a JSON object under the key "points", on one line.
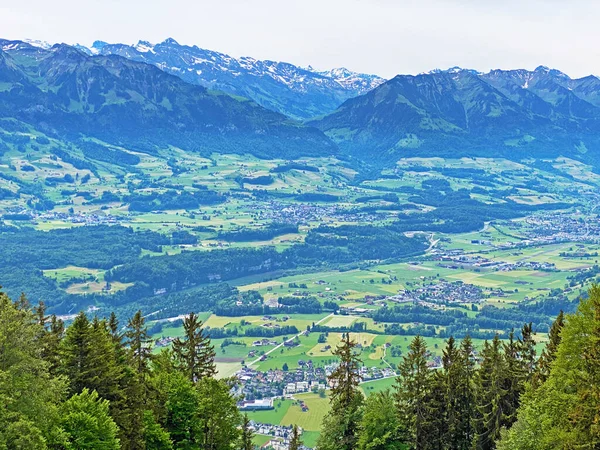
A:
{"points": [[144, 47], [196, 60], [37, 43], [10, 46]]}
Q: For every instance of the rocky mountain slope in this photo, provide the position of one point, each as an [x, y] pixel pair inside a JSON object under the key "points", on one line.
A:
{"points": [[515, 113], [297, 92], [63, 92]]}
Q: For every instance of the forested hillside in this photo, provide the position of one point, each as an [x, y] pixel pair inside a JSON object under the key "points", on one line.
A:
{"points": [[291, 90], [505, 397], [98, 384]]}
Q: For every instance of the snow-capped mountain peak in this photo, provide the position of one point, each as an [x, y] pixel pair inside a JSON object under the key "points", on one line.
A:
{"points": [[292, 90], [144, 46], [37, 43]]}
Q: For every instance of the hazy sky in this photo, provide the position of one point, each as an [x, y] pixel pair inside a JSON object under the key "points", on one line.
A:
{"points": [[385, 37]]}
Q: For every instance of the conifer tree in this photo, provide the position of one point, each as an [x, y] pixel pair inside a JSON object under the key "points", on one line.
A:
{"points": [[562, 412], [295, 440], [340, 426], [434, 423], [49, 336], [412, 388], [138, 355], [514, 377], [492, 401], [549, 353], [43, 336], [107, 365], [452, 378], [75, 351], [29, 395], [138, 341], [22, 304], [586, 416], [113, 326], [457, 372], [53, 339], [247, 434], [345, 378], [90, 359], [527, 354], [464, 430], [194, 352], [40, 314]]}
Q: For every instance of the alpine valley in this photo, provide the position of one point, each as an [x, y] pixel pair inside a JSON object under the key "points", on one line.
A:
{"points": [[291, 208]]}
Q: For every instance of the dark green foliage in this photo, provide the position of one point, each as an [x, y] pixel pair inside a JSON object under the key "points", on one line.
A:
{"points": [[341, 425], [106, 154], [173, 199], [330, 245], [561, 409], [457, 384], [218, 414], [76, 162], [458, 213], [391, 197], [138, 342], [262, 234], [549, 353], [586, 416], [295, 440], [247, 434], [91, 359], [457, 323], [494, 407], [413, 387], [6, 194], [263, 180], [111, 393], [294, 166], [194, 352], [24, 253], [316, 197], [363, 242], [183, 237], [29, 395]]}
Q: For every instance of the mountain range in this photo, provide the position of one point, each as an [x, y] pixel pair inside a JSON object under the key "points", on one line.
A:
{"points": [[150, 97], [297, 92], [460, 112], [63, 92]]}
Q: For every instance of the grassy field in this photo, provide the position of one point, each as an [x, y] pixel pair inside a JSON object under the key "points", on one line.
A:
{"points": [[69, 272], [274, 416], [372, 387], [309, 420], [260, 439], [255, 206]]}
